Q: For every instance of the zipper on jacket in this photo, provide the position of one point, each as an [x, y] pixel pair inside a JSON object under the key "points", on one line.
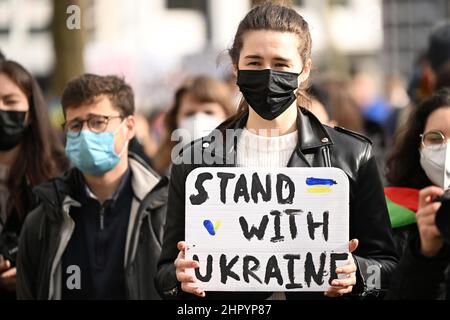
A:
{"points": [[102, 218], [100, 241], [326, 156]]}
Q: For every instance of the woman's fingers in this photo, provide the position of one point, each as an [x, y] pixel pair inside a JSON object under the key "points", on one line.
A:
{"points": [[11, 273], [8, 279], [349, 268], [430, 232], [347, 282], [428, 211], [340, 287], [426, 195], [337, 292], [189, 282], [186, 264], [193, 289], [352, 245], [426, 221], [4, 265], [185, 277], [181, 245], [430, 237]]}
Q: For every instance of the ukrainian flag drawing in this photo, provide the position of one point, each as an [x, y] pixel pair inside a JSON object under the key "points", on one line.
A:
{"points": [[316, 185]]}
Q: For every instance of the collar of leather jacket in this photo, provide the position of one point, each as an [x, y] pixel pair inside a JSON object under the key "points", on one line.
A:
{"points": [[311, 135]]}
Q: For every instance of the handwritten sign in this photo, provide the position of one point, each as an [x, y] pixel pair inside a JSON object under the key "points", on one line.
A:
{"points": [[282, 229]]}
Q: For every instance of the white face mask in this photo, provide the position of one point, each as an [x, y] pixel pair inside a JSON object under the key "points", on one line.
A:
{"points": [[197, 126], [435, 161]]}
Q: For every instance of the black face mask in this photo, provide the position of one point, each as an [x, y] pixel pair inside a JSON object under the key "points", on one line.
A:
{"points": [[268, 92], [12, 127]]}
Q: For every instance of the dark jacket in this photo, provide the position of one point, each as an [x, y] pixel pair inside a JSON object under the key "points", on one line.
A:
{"points": [[48, 229], [420, 277], [11, 231], [318, 146]]}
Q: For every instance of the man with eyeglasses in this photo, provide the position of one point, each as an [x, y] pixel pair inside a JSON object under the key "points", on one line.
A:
{"points": [[98, 229]]}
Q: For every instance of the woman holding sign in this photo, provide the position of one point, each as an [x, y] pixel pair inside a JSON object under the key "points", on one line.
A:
{"points": [[271, 55]]}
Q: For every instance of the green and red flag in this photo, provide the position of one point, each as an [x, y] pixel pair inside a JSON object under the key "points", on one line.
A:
{"points": [[402, 205]]}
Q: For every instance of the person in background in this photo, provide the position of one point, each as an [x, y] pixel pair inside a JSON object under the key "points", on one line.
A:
{"points": [[417, 161], [421, 161], [443, 77], [437, 56], [201, 104], [136, 147], [373, 109], [398, 98], [427, 69], [96, 233], [143, 143], [373, 106], [30, 153], [334, 91], [320, 105]]}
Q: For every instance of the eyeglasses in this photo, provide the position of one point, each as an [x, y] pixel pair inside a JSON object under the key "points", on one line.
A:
{"points": [[95, 123], [433, 138]]}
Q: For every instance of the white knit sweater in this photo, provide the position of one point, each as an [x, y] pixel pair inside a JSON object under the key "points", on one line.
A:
{"points": [[265, 152]]}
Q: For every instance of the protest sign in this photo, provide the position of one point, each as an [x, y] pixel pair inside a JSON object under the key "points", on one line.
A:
{"points": [[283, 229]]}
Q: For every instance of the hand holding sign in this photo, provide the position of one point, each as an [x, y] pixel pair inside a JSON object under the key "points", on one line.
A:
{"points": [[343, 286], [189, 283]]}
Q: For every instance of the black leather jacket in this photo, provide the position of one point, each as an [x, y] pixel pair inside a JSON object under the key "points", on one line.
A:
{"points": [[319, 146]]}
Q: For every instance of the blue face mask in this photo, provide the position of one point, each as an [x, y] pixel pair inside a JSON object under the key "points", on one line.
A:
{"points": [[93, 153]]}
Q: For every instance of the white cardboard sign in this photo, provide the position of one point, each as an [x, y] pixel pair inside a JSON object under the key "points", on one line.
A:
{"points": [[278, 229]]}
